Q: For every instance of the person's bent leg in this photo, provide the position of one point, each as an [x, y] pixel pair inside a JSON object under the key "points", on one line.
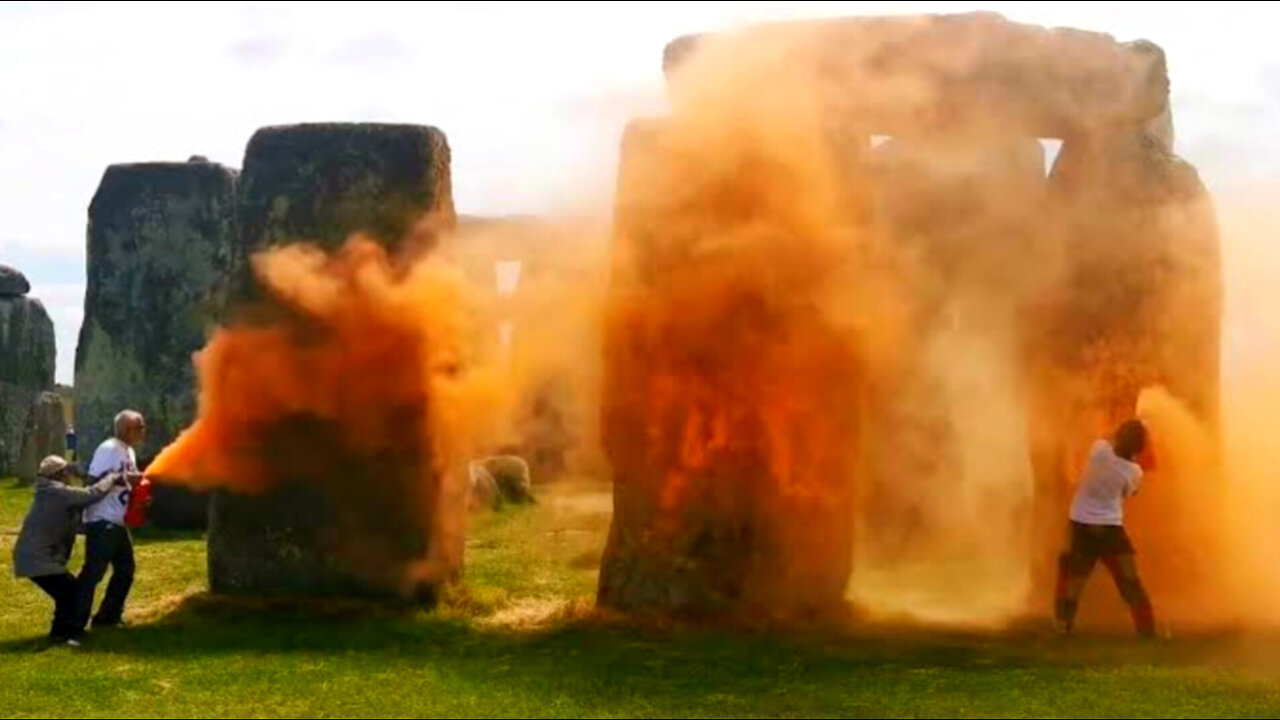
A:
{"points": [[1124, 570], [62, 589]]}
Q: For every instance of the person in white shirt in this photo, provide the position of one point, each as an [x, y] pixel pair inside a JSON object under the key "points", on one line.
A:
{"points": [[107, 538], [1111, 475]]}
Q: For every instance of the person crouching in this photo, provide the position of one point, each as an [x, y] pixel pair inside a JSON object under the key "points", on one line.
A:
{"points": [[48, 535]]}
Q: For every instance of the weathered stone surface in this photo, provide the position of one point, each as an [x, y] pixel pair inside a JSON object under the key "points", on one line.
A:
{"points": [[15, 407], [509, 477], [322, 182], [484, 493], [27, 350], [12, 282], [159, 255], [27, 358], [160, 250], [45, 434], [926, 73], [338, 520], [730, 449], [289, 543]]}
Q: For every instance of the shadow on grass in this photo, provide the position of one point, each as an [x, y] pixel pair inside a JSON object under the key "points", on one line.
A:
{"points": [[601, 666], [204, 625]]}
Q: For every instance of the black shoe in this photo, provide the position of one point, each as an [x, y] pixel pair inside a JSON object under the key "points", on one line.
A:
{"points": [[107, 626]]}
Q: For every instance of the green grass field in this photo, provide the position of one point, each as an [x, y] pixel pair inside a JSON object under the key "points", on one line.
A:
{"points": [[519, 641]]}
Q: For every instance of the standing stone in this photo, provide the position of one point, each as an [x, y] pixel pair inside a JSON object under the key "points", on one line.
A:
{"points": [[12, 282], [160, 248], [337, 521], [27, 351], [729, 418], [483, 493], [27, 359], [510, 477], [321, 182], [45, 435]]}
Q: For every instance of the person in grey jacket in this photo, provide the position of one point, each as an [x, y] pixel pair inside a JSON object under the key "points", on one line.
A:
{"points": [[48, 535]]}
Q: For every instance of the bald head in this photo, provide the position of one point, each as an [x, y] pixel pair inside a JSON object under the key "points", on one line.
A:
{"points": [[130, 427]]}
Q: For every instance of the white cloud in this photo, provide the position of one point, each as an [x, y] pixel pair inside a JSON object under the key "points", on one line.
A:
{"points": [[258, 50]]}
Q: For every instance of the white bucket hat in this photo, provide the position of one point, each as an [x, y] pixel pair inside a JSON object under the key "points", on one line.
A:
{"points": [[51, 466]]}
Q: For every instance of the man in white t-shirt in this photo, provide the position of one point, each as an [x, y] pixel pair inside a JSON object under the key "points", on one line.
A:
{"points": [[1112, 474], [107, 539]]}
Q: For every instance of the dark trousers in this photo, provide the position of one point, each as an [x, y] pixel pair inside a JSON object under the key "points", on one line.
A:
{"points": [[105, 544], [1111, 545], [62, 588]]}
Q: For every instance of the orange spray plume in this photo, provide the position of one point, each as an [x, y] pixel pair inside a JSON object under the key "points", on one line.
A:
{"points": [[366, 334]]}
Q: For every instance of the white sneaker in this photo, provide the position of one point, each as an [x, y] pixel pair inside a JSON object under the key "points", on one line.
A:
{"points": [[72, 642]]}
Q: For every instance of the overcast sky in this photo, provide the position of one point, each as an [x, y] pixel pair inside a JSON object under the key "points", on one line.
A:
{"points": [[532, 95]]}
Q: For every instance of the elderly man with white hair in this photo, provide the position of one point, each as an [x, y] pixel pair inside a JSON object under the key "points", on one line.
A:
{"points": [[107, 538], [48, 535]]}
